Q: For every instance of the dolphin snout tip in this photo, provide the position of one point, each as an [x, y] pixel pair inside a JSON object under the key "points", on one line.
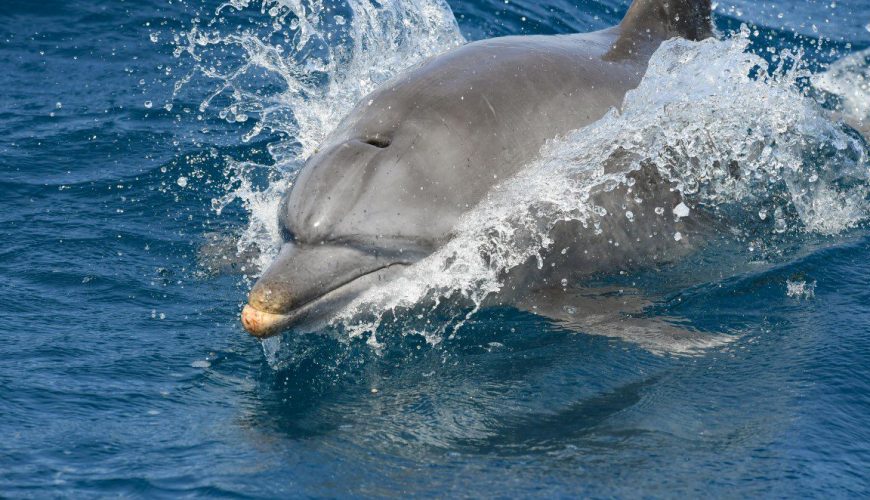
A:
{"points": [[261, 324], [272, 298]]}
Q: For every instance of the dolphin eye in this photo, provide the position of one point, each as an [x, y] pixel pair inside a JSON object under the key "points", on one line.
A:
{"points": [[377, 141]]}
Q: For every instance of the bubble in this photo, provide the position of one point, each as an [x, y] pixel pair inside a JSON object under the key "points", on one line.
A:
{"points": [[779, 224], [148, 104], [182, 181]]}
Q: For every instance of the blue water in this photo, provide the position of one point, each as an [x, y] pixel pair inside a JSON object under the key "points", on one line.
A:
{"points": [[124, 370]]}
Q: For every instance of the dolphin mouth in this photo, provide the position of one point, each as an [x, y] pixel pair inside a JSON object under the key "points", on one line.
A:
{"points": [[262, 324]]}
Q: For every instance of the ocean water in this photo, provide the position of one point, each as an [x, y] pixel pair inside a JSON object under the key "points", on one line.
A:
{"points": [[145, 145]]}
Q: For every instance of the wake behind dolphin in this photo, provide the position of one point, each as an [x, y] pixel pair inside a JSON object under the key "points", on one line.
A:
{"points": [[393, 184]]}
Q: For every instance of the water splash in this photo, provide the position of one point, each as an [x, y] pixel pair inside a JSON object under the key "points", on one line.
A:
{"points": [[295, 71], [733, 135], [849, 80], [800, 289]]}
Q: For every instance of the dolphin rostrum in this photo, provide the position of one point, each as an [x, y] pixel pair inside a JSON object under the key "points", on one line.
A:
{"points": [[387, 187]]}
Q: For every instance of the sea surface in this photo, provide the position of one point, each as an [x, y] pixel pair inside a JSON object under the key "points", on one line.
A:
{"points": [[144, 147]]}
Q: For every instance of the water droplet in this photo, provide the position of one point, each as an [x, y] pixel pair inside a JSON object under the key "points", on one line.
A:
{"points": [[660, 210], [780, 224], [629, 215], [800, 289], [681, 210], [678, 236]]}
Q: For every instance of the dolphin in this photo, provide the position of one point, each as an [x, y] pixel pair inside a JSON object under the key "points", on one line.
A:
{"points": [[388, 186]]}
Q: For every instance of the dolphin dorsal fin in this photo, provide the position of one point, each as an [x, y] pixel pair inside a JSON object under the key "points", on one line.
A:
{"points": [[648, 20]]}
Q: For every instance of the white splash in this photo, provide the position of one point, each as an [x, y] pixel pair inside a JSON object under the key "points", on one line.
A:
{"points": [[849, 80], [698, 116], [800, 289], [729, 142], [321, 60]]}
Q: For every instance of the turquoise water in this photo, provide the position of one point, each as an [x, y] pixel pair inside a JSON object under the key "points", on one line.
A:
{"points": [[124, 370]]}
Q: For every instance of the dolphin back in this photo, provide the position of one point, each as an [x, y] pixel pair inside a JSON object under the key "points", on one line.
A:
{"points": [[649, 20]]}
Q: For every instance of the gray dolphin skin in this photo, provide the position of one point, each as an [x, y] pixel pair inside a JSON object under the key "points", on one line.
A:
{"points": [[389, 185]]}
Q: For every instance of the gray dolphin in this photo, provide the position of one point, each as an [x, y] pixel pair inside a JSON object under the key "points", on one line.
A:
{"points": [[388, 186]]}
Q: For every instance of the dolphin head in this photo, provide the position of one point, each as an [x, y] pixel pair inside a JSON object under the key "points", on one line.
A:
{"points": [[371, 201]]}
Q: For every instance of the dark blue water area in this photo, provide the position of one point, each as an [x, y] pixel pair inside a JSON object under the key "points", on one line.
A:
{"points": [[124, 370]]}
